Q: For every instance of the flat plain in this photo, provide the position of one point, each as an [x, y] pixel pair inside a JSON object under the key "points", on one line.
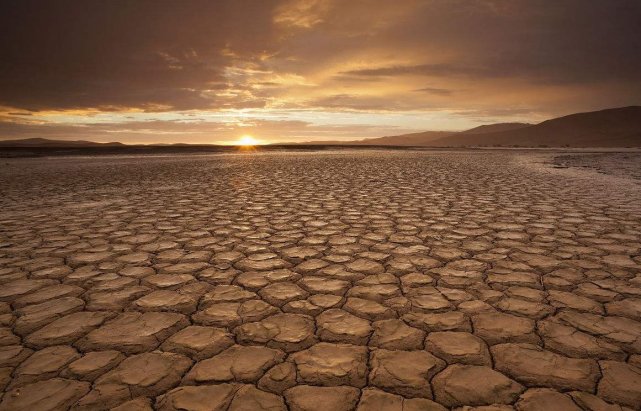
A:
{"points": [[337, 280]]}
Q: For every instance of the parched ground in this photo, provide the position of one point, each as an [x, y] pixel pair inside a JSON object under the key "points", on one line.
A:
{"points": [[353, 280], [623, 164]]}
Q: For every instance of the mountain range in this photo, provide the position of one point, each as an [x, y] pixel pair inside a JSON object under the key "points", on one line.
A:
{"points": [[45, 142], [616, 127]]}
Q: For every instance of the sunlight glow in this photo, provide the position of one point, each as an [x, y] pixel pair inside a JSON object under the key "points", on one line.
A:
{"points": [[248, 140]]}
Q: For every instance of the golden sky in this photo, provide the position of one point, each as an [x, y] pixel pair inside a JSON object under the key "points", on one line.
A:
{"points": [[299, 70]]}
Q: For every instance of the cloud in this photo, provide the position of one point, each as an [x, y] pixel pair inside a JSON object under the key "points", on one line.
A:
{"points": [[540, 57], [72, 54], [435, 91], [421, 69]]}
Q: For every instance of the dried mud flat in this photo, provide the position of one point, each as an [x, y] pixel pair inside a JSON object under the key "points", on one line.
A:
{"points": [[378, 280], [621, 164]]}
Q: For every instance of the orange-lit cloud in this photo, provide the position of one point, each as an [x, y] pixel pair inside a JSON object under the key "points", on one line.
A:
{"points": [[333, 69]]}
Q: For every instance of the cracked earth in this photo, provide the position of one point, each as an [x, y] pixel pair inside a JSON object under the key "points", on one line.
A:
{"points": [[355, 280]]}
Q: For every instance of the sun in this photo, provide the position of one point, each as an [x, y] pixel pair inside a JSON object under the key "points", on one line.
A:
{"points": [[248, 140]]}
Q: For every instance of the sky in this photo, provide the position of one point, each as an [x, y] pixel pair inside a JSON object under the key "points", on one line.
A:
{"points": [[188, 71]]}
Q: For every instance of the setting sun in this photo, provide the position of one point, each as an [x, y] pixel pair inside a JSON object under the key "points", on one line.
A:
{"points": [[248, 140]]}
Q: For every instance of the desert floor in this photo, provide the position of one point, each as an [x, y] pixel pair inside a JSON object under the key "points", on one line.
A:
{"points": [[342, 280]]}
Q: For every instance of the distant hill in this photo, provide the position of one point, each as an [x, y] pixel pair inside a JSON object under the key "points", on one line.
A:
{"points": [[423, 138], [617, 127], [491, 128], [414, 139], [44, 142]]}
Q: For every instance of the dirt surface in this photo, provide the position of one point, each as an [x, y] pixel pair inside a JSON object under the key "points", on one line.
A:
{"points": [[625, 165], [352, 280]]}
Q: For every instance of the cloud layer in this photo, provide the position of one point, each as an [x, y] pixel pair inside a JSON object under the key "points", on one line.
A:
{"points": [[455, 62]]}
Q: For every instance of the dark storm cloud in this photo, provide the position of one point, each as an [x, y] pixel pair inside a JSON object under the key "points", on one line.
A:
{"points": [[544, 40], [67, 54]]}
